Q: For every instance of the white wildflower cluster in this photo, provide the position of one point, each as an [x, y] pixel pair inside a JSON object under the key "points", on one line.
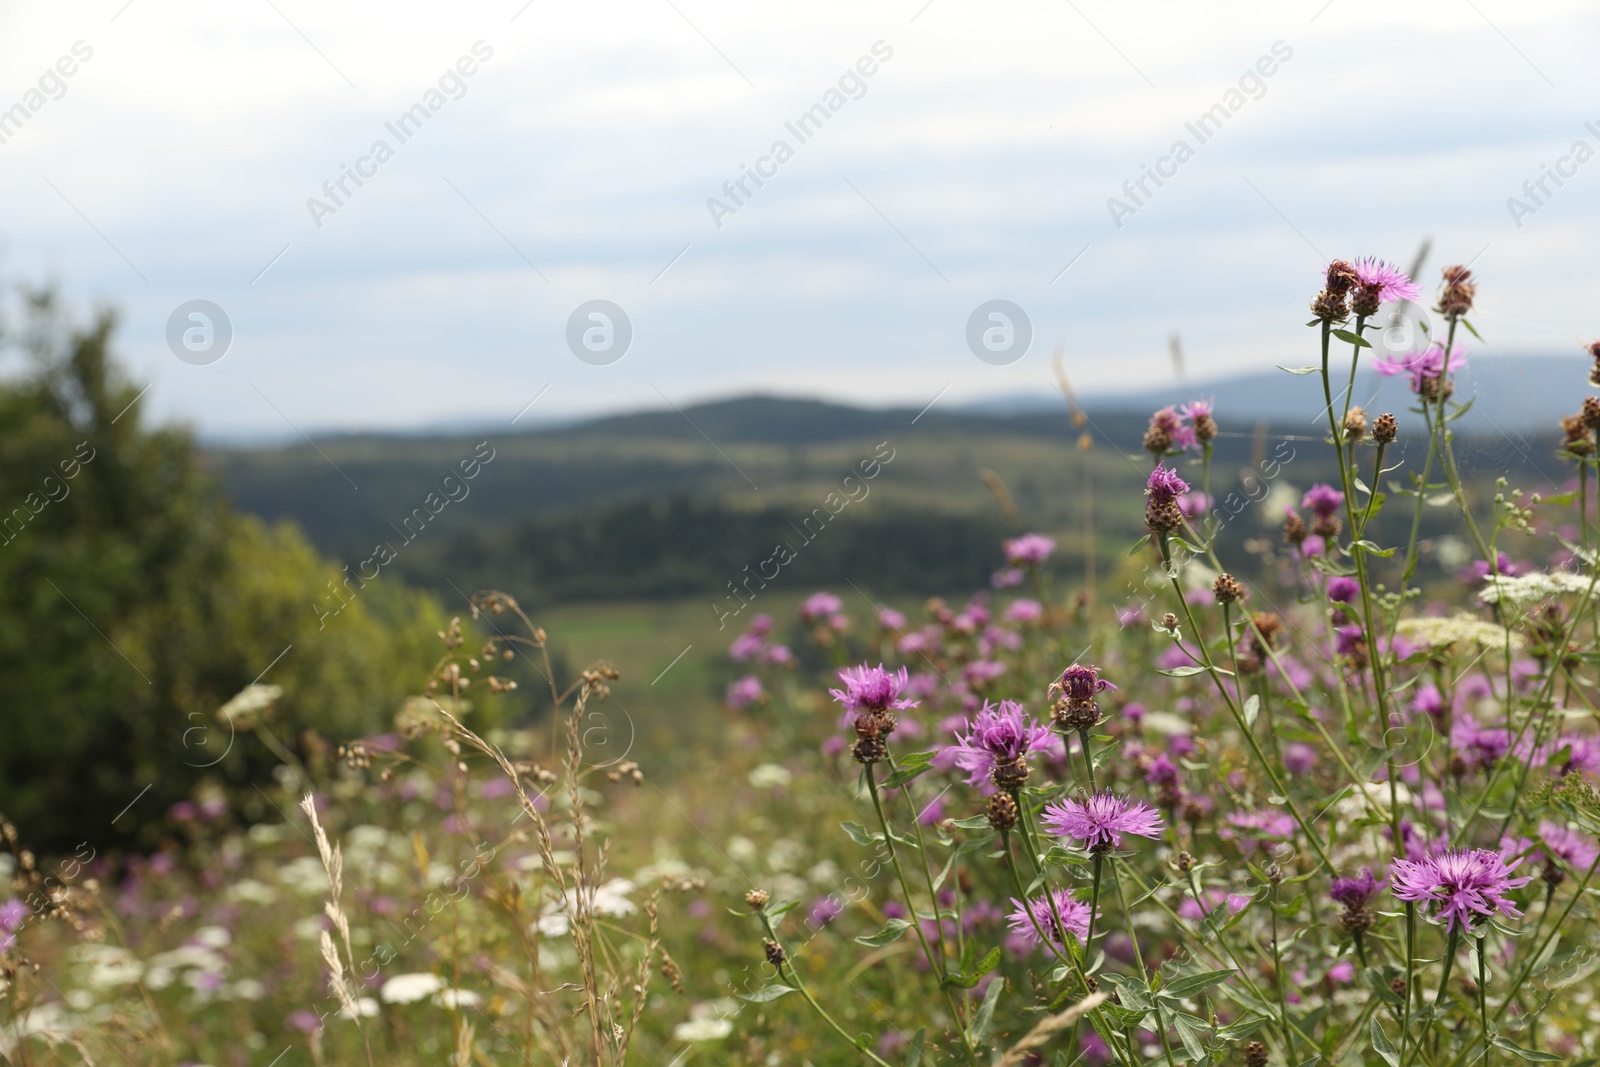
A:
{"points": [[244, 710], [770, 776], [609, 899], [411, 988], [1441, 632], [1540, 585], [710, 1020]]}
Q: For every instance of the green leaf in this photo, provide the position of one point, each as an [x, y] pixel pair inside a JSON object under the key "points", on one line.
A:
{"points": [[1182, 672], [1190, 1032], [914, 1053], [887, 936], [988, 963], [910, 767], [1470, 329], [1382, 1046], [859, 834], [1252, 708], [1137, 545], [1124, 1017], [1532, 1055], [767, 993], [1372, 549], [1180, 988], [979, 1031], [1300, 370], [977, 822], [778, 911], [1352, 339]]}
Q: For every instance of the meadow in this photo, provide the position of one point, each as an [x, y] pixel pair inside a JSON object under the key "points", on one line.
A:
{"points": [[1309, 782]]}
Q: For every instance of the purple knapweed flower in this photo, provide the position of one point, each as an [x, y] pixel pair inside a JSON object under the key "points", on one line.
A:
{"points": [[1031, 549], [1007, 577], [744, 692], [1299, 758], [1167, 421], [12, 915], [890, 619], [1426, 366], [1325, 500], [745, 646], [1466, 884], [1250, 828], [1077, 690], [1577, 850], [1343, 589], [1041, 914], [1358, 891], [1000, 737], [1024, 611], [819, 607], [872, 689], [1193, 505], [1391, 282], [825, 910], [1100, 820], [1164, 485]]}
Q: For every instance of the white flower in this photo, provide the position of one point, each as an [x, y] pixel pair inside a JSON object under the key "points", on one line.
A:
{"points": [[612, 898], [245, 709], [410, 988], [248, 989], [770, 776], [366, 1007], [305, 875], [309, 928], [212, 937], [703, 1030], [457, 998], [250, 891], [740, 849], [1462, 629], [553, 924], [785, 855], [1536, 586]]}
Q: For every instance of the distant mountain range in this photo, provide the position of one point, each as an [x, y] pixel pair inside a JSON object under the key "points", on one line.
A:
{"points": [[1511, 395]]}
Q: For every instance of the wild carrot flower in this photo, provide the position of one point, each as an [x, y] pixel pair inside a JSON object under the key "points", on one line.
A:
{"points": [[1467, 885], [1031, 549], [1040, 914], [997, 743], [1076, 706], [1100, 820]]}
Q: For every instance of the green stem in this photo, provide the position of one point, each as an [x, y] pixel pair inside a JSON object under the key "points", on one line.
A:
{"points": [[799, 984]]}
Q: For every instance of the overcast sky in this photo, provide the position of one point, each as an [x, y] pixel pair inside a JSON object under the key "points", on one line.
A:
{"points": [[576, 162]]}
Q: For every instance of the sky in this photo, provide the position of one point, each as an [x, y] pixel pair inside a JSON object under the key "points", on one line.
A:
{"points": [[958, 154]]}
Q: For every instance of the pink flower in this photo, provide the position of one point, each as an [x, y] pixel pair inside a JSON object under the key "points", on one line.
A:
{"points": [[819, 607], [1032, 549], [999, 735], [890, 619], [1325, 500], [1100, 821], [1024, 611], [1043, 913], [1465, 884], [1576, 850], [1428, 365], [1164, 485], [872, 689], [1390, 281], [744, 692]]}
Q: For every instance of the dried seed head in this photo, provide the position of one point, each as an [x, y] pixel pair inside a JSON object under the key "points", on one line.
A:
{"points": [[1157, 441], [1341, 277], [1185, 862], [1294, 529], [1162, 516], [1002, 811], [1385, 428], [775, 954], [1227, 589], [1330, 307], [1458, 291], [1355, 424], [757, 899], [1591, 411], [1009, 776], [869, 750], [1255, 1055]]}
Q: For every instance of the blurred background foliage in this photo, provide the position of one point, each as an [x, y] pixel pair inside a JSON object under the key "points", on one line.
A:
{"points": [[134, 601]]}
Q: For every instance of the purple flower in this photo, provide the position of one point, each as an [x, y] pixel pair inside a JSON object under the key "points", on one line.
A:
{"points": [[825, 910], [1024, 611], [1101, 820], [1193, 505], [1343, 590], [744, 692], [1030, 549], [1349, 640], [872, 689], [1252, 827], [890, 619], [1390, 281], [1164, 485], [1299, 758], [1576, 850], [1195, 409], [1479, 746], [1424, 366], [745, 646], [1081, 683], [1005, 579], [1073, 918], [12, 914], [981, 672], [1170, 423], [1428, 700], [1325, 500], [1466, 884], [1356, 892], [819, 607], [304, 1021], [998, 736], [1161, 771]]}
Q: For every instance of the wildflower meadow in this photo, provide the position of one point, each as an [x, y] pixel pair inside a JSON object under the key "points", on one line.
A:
{"points": [[1309, 798]]}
